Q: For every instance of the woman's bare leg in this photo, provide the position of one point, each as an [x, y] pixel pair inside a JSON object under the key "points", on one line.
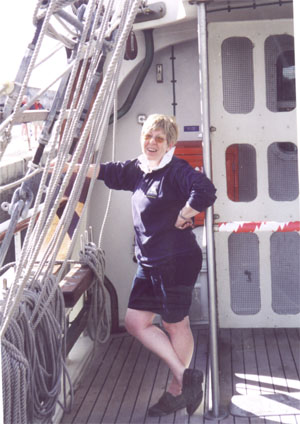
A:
{"points": [[140, 325], [182, 340]]}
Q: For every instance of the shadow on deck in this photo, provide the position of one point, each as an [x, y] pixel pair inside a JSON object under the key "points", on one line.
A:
{"points": [[124, 379]]}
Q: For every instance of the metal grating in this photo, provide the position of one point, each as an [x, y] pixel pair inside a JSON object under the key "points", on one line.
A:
{"points": [[283, 171], [285, 272], [274, 46], [247, 173], [244, 273], [237, 70]]}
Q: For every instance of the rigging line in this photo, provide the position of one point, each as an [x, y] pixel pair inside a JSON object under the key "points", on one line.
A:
{"points": [[110, 69], [12, 119], [63, 108], [58, 47], [115, 118], [21, 180], [53, 33], [41, 27], [47, 397], [20, 267], [13, 102], [103, 129], [62, 190]]}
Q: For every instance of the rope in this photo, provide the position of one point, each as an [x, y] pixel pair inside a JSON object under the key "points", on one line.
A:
{"points": [[98, 325], [33, 318], [33, 358], [21, 180]]}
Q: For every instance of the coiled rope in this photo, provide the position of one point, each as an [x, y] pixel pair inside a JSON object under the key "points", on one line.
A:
{"points": [[33, 324], [98, 325]]}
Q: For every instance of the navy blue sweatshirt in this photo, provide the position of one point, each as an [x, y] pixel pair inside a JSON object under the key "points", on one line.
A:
{"points": [[157, 198]]}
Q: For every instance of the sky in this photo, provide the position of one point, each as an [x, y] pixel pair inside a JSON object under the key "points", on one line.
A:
{"points": [[16, 32]]}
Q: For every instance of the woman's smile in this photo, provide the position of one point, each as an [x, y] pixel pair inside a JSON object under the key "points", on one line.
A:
{"points": [[154, 146]]}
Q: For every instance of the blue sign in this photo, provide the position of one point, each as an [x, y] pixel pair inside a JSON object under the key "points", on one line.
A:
{"points": [[191, 128]]}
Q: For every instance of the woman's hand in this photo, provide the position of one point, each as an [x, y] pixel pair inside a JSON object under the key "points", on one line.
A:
{"points": [[184, 219], [182, 224]]}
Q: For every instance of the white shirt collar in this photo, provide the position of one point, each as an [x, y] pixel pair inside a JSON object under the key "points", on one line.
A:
{"points": [[144, 165]]}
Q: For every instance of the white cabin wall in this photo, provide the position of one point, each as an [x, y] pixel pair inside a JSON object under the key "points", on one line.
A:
{"points": [[153, 98]]}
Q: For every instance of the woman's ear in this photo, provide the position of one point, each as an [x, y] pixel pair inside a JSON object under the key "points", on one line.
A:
{"points": [[170, 146]]}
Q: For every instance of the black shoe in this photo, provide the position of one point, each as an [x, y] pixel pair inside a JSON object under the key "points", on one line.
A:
{"points": [[192, 389], [167, 404]]}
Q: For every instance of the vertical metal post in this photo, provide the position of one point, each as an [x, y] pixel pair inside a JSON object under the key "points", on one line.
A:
{"points": [[296, 14], [204, 110]]}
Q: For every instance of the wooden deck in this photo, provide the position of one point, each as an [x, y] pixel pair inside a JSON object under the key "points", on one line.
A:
{"points": [[255, 365]]}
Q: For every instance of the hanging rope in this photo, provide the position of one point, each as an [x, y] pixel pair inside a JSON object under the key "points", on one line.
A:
{"points": [[98, 326], [33, 325]]}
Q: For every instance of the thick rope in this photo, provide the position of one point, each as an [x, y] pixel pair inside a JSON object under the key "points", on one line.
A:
{"points": [[33, 315], [40, 350], [98, 320]]}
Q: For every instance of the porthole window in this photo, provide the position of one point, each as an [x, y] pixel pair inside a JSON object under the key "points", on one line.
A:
{"points": [[241, 175], [280, 73], [237, 75], [283, 171]]}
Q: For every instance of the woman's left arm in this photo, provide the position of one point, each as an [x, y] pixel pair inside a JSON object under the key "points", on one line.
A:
{"points": [[184, 219], [199, 192]]}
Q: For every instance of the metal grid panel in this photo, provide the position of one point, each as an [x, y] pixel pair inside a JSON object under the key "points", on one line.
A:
{"points": [[237, 74], [283, 171], [285, 272], [244, 273], [274, 46]]}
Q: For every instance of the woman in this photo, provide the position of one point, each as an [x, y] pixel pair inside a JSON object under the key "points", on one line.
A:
{"points": [[167, 194]]}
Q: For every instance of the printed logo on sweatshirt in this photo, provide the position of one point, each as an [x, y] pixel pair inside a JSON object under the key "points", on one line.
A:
{"points": [[152, 193]]}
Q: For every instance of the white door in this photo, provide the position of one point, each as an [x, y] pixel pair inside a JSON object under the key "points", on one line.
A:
{"points": [[254, 166]]}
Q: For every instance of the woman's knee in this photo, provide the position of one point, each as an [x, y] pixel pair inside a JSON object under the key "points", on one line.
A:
{"points": [[172, 328], [136, 321]]}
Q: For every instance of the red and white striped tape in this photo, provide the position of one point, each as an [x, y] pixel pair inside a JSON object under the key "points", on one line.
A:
{"points": [[254, 227]]}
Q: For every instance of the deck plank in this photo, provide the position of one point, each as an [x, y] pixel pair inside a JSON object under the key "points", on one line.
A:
{"points": [[252, 385], [225, 365], [159, 386], [146, 388], [266, 386], [125, 378], [89, 385], [122, 386], [293, 335], [276, 366], [103, 400], [200, 361], [133, 391], [290, 369]]}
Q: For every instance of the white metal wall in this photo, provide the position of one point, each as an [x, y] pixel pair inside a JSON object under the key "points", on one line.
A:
{"points": [[259, 128]]}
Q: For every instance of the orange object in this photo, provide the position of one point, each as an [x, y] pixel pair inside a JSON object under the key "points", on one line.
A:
{"points": [[191, 151]]}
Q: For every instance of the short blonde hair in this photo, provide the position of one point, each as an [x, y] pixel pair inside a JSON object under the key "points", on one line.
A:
{"points": [[164, 122]]}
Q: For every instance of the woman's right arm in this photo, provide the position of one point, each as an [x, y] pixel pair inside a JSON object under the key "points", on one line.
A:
{"points": [[90, 171]]}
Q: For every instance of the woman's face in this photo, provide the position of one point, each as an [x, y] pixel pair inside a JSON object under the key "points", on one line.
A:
{"points": [[154, 145]]}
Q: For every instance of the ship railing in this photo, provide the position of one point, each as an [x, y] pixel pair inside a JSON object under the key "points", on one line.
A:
{"points": [[75, 285]]}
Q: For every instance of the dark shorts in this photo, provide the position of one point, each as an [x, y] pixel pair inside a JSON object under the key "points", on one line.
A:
{"points": [[167, 288]]}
